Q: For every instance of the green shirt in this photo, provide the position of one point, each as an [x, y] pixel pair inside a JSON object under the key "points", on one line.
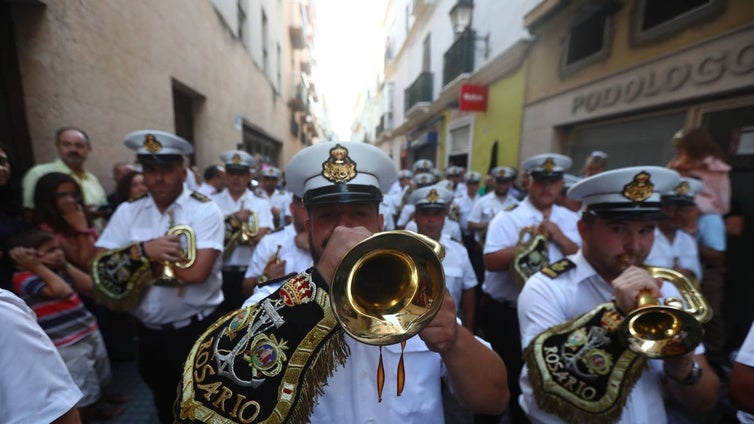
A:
{"points": [[94, 194]]}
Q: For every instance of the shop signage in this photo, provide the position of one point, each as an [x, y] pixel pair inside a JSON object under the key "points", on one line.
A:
{"points": [[473, 98]]}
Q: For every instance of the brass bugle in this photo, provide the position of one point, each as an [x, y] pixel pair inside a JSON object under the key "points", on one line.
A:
{"points": [[168, 278], [388, 287], [663, 331], [250, 227]]}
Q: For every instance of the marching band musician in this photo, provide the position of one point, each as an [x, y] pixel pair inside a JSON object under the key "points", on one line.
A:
{"points": [[279, 199], [277, 255], [248, 218], [491, 203], [558, 226], [170, 317], [572, 312], [286, 358]]}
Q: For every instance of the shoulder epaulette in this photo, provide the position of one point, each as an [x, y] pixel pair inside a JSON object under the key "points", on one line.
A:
{"points": [[555, 269], [200, 197], [141, 196], [511, 207]]}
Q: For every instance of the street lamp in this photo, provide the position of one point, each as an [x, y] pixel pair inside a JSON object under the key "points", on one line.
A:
{"points": [[460, 17]]}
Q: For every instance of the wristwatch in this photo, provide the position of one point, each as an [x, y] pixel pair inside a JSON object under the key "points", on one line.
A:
{"points": [[262, 279], [693, 378]]}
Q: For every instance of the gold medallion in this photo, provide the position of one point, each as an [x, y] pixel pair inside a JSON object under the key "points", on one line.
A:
{"points": [[432, 196], [236, 159], [640, 189], [683, 189], [339, 168], [151, 144], [548, 165]]}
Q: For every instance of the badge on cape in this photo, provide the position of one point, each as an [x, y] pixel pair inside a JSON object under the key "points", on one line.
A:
{"points": [[265, 363], [339, 168], [580, 371]]}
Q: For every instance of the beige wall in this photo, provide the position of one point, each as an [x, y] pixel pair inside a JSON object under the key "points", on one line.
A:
{"points": [[107, 67]]}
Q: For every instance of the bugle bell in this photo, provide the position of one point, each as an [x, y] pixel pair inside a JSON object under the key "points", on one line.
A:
{"points": [[167, 277], [388, 287], [663, 331]]}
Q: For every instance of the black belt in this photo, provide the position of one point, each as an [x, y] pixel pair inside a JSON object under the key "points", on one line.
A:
{"points": [[177, 325], [502, 302], [235, 268]]}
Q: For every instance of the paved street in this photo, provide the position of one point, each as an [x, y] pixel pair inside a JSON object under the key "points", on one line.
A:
{"points": [[139, 408]]}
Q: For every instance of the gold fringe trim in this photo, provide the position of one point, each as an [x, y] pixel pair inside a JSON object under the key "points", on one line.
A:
{"points": [[334, 353]]}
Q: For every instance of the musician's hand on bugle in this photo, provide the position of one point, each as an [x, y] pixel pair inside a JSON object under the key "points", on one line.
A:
{"points": [[243, 214], [165, 248], [275, 267], [630, 284]]}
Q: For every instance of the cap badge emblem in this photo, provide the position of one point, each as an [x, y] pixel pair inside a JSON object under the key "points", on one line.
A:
{"points": [[683, 188], [236, 159], [432, 196], [339, 168], [640, 189], [548, 165], [151, 144]]}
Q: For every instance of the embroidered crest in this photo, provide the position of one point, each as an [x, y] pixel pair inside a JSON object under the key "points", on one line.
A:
{"points": [[339, 168], [298, 290], [266, 355], [640, 189], [548, 165], [580, 371], [432, 196], [683, 188], [236, 159], [151, 143], [558, 268]]}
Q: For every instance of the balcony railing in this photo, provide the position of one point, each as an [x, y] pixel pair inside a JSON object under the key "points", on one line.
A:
{"points": [[459, 58], [419, 91]]}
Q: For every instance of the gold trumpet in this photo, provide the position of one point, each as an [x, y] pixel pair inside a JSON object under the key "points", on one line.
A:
{"points": [[388, 287], [167, 277], [663, 331]]}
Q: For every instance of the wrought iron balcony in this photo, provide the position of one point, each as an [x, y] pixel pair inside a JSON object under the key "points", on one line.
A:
{"points": [[419, 91], [459, 58]]}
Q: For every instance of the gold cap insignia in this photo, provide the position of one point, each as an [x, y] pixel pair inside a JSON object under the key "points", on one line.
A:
{"points": [[151, 144], [236, 159], [683, 188], [640, 189], [548, 165], [433, 197], [339, 168]]}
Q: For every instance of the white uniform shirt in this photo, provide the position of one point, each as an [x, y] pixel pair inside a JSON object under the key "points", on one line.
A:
{"points": [[139, 221], [261, 207], [206, 189], [503, 232], [545, 302], [280, 199], [746, 356], [683, 249], [387, 210], [459, 274], [487, 207], [465, 206], [295, 259], [35, 386]]}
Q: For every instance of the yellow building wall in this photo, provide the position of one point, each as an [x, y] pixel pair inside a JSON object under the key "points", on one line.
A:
{"points": [[501, 122], [544, 59]]}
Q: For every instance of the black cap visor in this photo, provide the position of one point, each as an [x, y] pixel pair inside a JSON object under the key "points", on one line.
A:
{"points": [[342, 193], [648, 211], [154, 159]]}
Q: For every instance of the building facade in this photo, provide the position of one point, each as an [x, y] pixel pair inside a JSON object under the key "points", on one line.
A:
{"points": [[219, 73]]}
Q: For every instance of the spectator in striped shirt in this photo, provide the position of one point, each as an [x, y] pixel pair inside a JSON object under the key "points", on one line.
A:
{"points": [[49, 285]]}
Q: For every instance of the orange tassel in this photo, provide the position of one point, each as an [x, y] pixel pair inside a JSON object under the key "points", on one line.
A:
{"points": [[401, 371], [380, 378]]}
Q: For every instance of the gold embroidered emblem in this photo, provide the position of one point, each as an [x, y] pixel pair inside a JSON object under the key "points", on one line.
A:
{"points": [[548, 165], [683, 188], [339, 168], [432, 196], [236, 159], [610, 320], [640, 189], [151, 144], [265, 355], [576, 339]]}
